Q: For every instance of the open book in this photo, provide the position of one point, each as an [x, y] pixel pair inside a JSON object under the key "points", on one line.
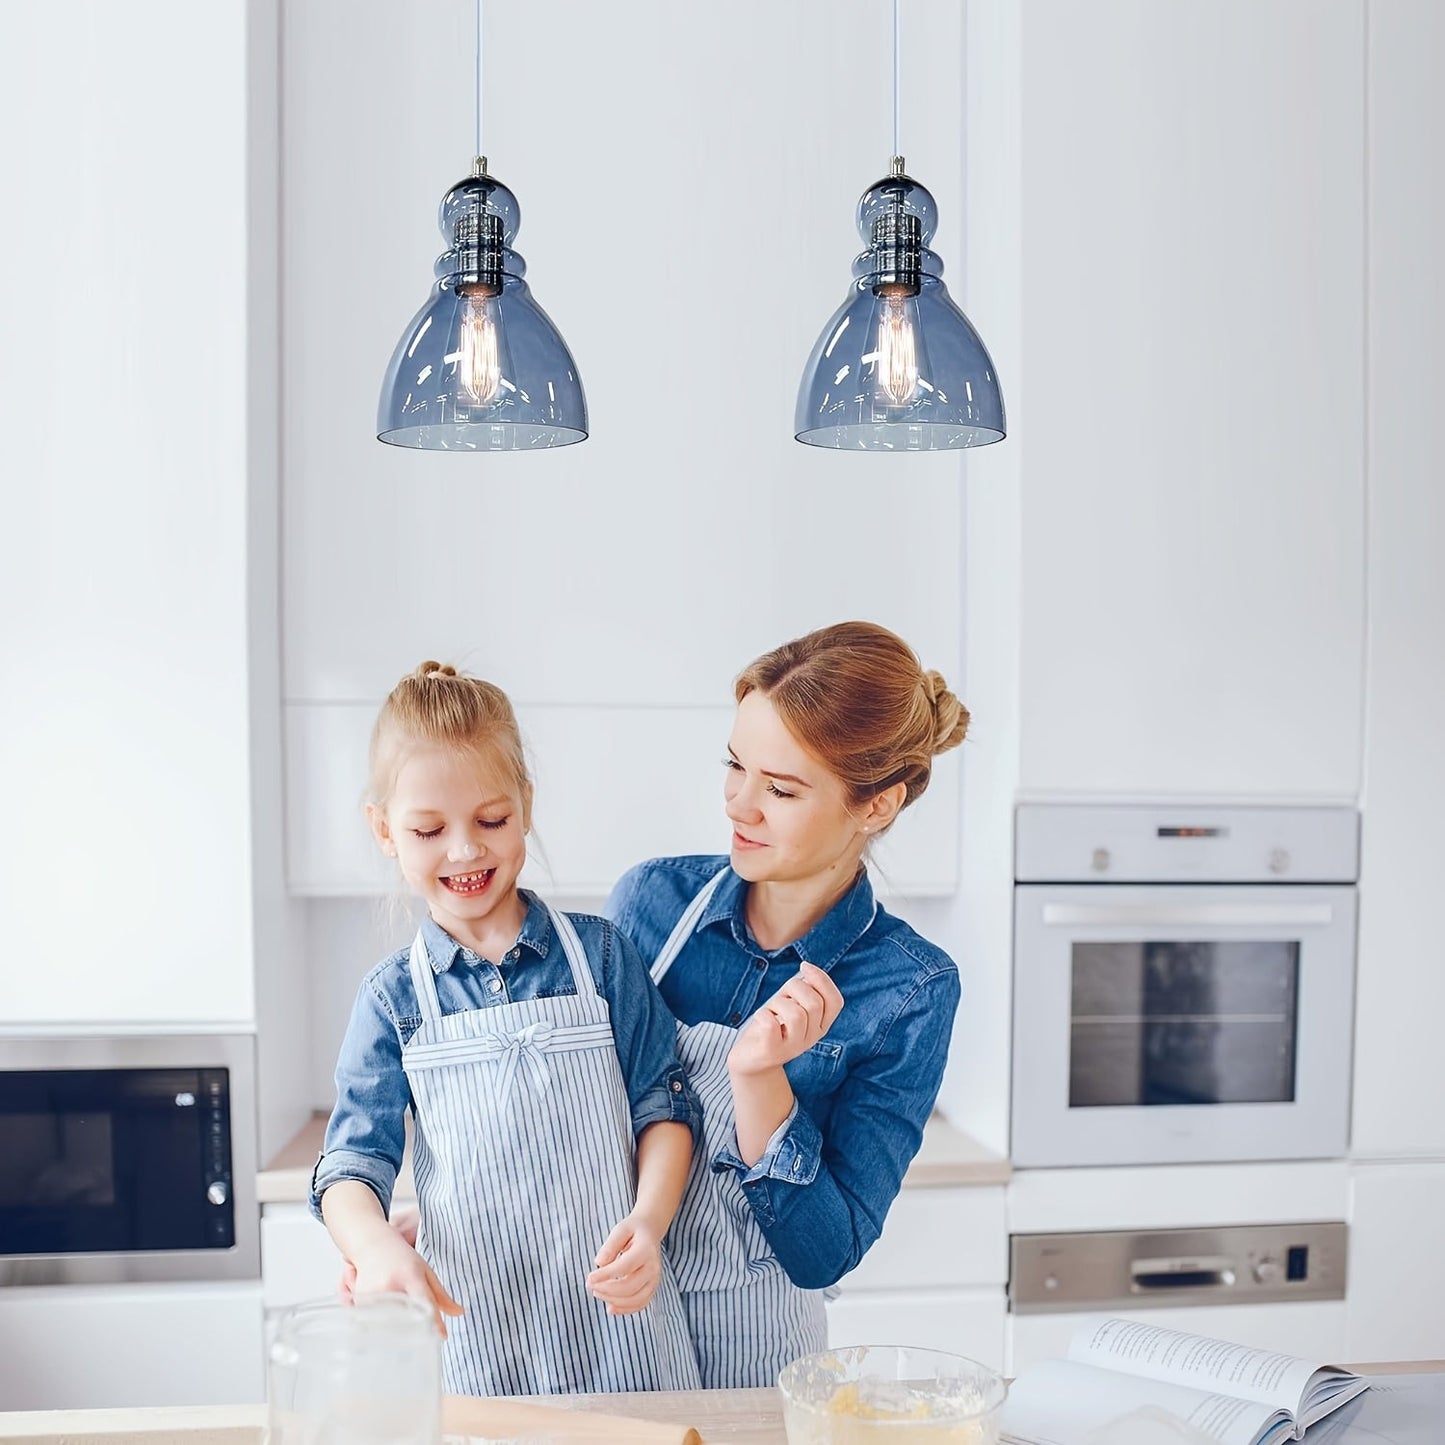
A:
{"points": [[1127, 1382]]}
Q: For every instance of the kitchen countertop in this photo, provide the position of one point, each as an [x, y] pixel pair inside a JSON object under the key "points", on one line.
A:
{"points": [[728, 1417], [948, 1158]]}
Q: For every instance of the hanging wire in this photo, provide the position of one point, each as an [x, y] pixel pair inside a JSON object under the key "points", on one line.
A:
{"points": [[478, 150], [895, 75]]}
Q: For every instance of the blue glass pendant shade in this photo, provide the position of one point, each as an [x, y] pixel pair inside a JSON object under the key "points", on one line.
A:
{"points": [[899, 367], [481, 366]]}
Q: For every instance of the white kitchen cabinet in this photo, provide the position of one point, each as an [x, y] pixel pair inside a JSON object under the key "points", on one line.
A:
{"points": [[962, 1321], [1400, 997], [1191, 378], [1316, 1331], [131, 276], [1397, 1268], [298, 1260], [614, 588], [936, 1277], [72, 1347]]}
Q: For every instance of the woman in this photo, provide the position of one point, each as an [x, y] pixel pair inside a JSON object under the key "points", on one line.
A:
{"points": [[814, 1024]]}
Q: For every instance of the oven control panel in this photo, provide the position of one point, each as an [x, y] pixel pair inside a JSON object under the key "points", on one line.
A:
{"points": [[1133, 1269]]}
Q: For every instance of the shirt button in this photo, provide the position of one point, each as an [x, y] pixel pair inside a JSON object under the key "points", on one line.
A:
{"points": [[797, 1166], [735, 1018], [495, 985], [676, 1087], [515, 954], [759, 964]]}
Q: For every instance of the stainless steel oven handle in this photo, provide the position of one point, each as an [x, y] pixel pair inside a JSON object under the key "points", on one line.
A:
{"points": [[1187, 915], [1153, 1275]]}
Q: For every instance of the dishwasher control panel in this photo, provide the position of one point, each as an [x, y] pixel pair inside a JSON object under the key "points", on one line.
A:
{"points": [[1133, 1269]]}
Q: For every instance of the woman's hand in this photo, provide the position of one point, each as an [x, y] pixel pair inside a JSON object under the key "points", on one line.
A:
{"points": [[387, 1263], [788, 1024], [628, 1266]]}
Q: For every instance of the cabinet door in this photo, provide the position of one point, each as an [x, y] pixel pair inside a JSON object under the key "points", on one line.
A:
{"points": [[962, 1321], [1397, 1269], [935, 1237], [298, 1260], [1192, 604], [124, 590], [75, 1347]]}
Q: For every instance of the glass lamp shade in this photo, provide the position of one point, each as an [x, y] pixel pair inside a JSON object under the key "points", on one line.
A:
{"points": [[481, 367], [899, 367]]}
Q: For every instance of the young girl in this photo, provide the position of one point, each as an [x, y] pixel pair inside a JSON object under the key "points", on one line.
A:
{"points": [[532, 1049], [813, 1109]]}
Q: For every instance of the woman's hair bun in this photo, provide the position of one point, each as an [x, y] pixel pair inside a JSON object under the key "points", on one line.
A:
{"points": [[950, 717], [435, 669]]}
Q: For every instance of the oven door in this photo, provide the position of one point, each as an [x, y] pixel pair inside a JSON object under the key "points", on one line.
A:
{"points": [[126, 1159], [1177, 1024]]}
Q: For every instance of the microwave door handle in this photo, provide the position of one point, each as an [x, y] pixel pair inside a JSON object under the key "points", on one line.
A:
{"points": [[1189, 915]]}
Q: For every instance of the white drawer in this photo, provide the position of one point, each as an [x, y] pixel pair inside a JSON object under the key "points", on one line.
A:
{"points": [[298, 1260], [938, 1237], [963, 1321]]}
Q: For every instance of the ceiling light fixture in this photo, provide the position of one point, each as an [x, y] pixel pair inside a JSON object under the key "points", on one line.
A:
{"points": [[899, 367], [481, 366]]}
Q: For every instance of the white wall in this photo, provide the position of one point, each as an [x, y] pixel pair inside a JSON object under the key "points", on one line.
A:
{"points": [[124, 287]]}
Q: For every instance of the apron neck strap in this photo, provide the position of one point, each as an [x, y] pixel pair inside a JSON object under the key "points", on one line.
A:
{"points": [[423, 980], [683, 928], [582, 979]]}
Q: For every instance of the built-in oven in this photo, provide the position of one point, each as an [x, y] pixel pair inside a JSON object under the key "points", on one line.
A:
{"points": [[127, 1158], [1183, 983]]}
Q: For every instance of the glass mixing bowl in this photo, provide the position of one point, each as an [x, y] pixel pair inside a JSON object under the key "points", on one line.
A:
{"points": [[890, 1395]]}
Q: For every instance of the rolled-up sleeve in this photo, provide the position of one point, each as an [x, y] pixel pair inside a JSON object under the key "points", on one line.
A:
{"points": [[645, 1034], [366, 1134]]}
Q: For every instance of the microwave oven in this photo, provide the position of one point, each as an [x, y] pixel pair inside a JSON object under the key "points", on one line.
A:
{"points": [[1183, 983], [128, 1158]]}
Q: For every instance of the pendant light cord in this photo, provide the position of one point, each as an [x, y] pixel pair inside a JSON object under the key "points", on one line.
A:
{"points": [[895, 75], [478, 150]]}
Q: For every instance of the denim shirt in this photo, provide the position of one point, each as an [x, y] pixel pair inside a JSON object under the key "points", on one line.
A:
{"points": [[829, 1174], [365, 1135]]}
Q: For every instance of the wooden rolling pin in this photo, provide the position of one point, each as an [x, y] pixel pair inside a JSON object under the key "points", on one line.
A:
{"points": [[492, 1418]]}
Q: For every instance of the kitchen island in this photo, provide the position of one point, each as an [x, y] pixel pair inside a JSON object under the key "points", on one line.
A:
{"points": [[721, 1417]]}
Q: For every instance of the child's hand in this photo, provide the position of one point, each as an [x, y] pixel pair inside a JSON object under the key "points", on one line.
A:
{"points": [[387, 1263], [629, 1266], [788, 1024], [406, 1221]]}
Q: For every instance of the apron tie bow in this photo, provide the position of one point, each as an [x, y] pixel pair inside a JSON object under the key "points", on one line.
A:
{"points": [[527, 1046]]}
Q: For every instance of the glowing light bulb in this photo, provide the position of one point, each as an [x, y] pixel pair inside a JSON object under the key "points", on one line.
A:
{"points": [[479, 360], [897, 364]]}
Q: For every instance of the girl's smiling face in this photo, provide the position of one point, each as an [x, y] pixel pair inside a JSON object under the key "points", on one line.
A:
{"points": [[458, 829], [790, 814]]}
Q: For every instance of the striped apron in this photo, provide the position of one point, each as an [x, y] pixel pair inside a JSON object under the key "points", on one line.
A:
{"points": [[747, 1318], [524, 1161]]}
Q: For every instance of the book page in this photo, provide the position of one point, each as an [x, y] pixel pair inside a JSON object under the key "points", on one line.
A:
{"points": [[1397, 1410], [1265, 1376], [1060, 1402]]}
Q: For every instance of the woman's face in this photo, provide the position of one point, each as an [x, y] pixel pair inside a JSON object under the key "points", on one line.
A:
{"points": [[789, 813]]}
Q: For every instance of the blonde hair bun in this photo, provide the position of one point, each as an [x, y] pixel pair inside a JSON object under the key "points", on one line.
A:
{"points": [[434, 669], [950, 717]]}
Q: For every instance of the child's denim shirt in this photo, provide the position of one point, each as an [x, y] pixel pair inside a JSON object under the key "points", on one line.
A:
{"points": [[365, 1136], [864, 1092]]}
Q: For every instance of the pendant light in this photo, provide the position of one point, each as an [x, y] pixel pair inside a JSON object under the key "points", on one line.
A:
{"points": [[481, 366], [899, 367]]}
